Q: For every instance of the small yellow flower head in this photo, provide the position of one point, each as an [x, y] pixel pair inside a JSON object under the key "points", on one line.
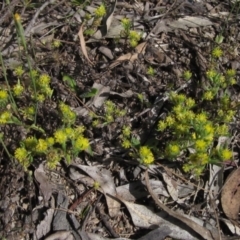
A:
{"points": [[211, 73], [231, 73], [17, 17], [222, 130], [109, 118], [109, 106], [50, 141], [5, 117], [21, 154], [232, 81], [42, 146], [69, 132], [187, 75], [133, 35], [181, 128], [126, 23], [225, 154], [200, 145], [18, 89], [126, 130], [3, 97], [126, 143], [217, 52], [190, 102], [96, 123], [190, 115], [201, 117], [40, 98], [79, 130], [30, 143], [56, 43], [96, 185], [209, 128], [173, 150], [68, 115], [177, 109], [208, 95], [60, 136], [44, 79], [120, 113], [150, 71], [81, 144], [18, 71], [220, 113], [162, 126], [169, 121], [133, 43], [146, 155], [100, 11]]}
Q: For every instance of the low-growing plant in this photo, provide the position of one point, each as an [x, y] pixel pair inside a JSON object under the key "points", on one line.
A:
{"points": [[132, 36]]}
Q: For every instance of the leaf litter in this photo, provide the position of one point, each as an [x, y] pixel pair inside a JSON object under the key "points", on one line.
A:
{"points": [[153, 208]]}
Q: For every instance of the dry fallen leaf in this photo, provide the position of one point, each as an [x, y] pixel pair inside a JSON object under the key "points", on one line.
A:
{"points": [[45, 186], [144, 217], [204, 232], [129, 56], [83, 44], [104, 178], [230, 195]]}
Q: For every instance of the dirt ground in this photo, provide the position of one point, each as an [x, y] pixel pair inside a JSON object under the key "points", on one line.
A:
{"points": [[160, 201]]}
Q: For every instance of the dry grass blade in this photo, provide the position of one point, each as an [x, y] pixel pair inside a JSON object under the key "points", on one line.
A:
{"points": [[205, 233], [83, 44]]}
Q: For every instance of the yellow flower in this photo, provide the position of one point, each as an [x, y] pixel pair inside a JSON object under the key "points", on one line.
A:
{"points": [[5, 117], [100, 11], [133, 35], [56, 43], [79, 130], [217, 52], [225, 154], [81, 144], [190, 102], [126, 130], [30, 143], [211, 73], [200, 145], [17, 17], [126, 23], [146, 155], [18, 71], [187, 75], [170, 120], [42, 146], [18, 89], [44, 79], [69, 132], [126, 143], [173, 150], [162, 126], [208, 95], [3, 96], [50, 141], [60, 136], [21, 154], [231, 73]]}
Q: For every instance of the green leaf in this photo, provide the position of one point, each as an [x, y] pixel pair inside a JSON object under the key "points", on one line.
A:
{"points": [[70, 82], [90, 93], [135, 142]]}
